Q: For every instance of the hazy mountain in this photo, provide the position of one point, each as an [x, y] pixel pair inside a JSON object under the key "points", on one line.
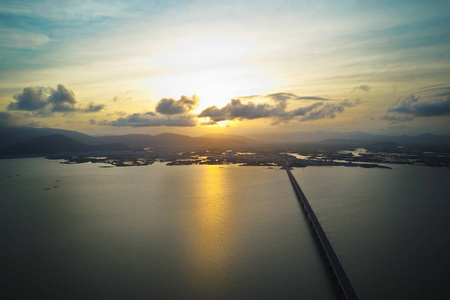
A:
{"points": [[228, 136], [56, 144], [168, 140], [423, 140], [13, 135], [350, 137]]}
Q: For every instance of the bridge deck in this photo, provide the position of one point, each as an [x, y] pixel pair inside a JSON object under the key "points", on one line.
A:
{"points": [[341, 275]]}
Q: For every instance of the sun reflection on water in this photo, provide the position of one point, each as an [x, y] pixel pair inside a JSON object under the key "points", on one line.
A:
{"points": [[212, 240]]}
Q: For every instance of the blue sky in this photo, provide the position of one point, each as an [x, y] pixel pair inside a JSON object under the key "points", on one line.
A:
{"points": [[366, 58]]}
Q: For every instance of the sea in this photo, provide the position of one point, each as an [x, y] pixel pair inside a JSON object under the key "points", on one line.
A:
{"points": [[91, 231]]}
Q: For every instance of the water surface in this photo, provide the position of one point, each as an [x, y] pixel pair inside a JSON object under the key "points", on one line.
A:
{"points": [[81, 231], [390, 228]]}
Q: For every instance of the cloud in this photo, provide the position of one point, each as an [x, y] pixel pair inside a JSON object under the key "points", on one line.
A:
{"points": [[33, 124], [168, 112], [329, 110], [18, 38], [120, 113], [436, 90], [363, 87], [94, 108], [44, 101], [396, 118], [62, 99], [169, 106], [92, 121], [282, 97], [237, 110], [443, 94], [31, 99], [408, 108], [312, 98], [151, 119], [123, 97], [103, 123]]}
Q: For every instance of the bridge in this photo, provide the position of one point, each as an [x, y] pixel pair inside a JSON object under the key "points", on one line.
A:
{"points": [[344, 282]]}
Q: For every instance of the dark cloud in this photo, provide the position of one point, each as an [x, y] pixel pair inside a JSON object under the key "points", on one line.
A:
{"points": [[31, 99], [410, 107], [92, 121], [43, 102], [103, 123], [170, 106], [283, 97], [312, 98], [396, 118], [363, 87], [94, 108], [152, 119], [237, 110], [328, 110], [62, 99], [303, 110], [169, 112]]}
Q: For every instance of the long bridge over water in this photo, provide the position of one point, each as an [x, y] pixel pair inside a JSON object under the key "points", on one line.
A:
{"points": [[344, 282]]}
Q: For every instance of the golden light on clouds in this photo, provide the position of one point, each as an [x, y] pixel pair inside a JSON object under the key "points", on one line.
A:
{"points": [[127, 57], [212, 86]]}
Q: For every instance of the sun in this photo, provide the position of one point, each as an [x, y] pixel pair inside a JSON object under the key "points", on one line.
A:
{"points": [[213, 86], [215, 68]]}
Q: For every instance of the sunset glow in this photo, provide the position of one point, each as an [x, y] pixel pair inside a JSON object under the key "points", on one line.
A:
{"points": [[333, 67], [238, 149]]}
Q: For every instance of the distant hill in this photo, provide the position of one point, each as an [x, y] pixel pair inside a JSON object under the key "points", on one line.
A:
{"points": [[324, 137], [368, 139], [13, 135], [56, 143], [228, 136], [383, 146], [168, 140]]}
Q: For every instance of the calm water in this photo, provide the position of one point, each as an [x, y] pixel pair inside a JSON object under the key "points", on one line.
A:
{"points": [[80, 231], [389, 227]]}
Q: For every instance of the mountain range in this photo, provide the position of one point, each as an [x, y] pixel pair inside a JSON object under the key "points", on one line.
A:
{"points": [[28, 140], [57, 143], [41, 141]]}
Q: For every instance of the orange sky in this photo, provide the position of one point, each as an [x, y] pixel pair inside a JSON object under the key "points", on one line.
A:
{"points": [[239, 67]]}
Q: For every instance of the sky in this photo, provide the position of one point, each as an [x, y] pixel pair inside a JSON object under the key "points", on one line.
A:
{"points": [[237, 67]]}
